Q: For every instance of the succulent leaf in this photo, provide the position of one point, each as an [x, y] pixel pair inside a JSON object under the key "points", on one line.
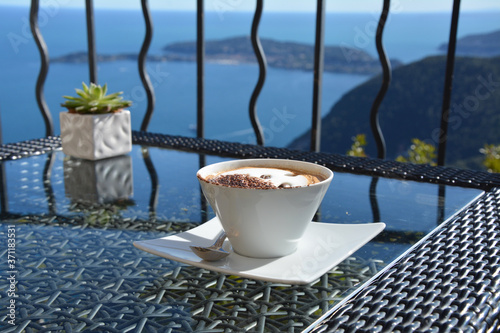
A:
{"points": [[93, 100]]}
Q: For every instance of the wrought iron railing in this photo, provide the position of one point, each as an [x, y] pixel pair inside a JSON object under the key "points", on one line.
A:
{"points": [[261, 59]]}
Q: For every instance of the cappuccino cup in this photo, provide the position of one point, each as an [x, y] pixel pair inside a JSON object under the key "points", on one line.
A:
{"points": [[264, 205]]}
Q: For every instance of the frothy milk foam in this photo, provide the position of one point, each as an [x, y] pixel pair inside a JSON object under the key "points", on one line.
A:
{"points": [[277, 177]]}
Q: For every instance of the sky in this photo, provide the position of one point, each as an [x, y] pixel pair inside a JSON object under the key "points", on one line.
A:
{"points": [[278, 5]]}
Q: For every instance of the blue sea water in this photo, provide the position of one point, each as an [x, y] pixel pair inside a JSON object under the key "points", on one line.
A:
{"points": [[285, 103]]}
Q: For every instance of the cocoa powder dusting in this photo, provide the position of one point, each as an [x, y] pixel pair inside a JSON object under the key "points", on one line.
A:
{"points": [[243, 181]]}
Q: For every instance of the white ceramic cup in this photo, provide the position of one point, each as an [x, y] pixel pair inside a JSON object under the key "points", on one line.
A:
{"points": [[265, 223]]}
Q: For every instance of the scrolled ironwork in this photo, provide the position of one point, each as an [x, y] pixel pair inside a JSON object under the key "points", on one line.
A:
{"points": [[44, 68], [146, 82], [386, 79], [261, 59]]}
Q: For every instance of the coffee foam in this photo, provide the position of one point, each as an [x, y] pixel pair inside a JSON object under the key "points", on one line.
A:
{"points": [[277, 177]]}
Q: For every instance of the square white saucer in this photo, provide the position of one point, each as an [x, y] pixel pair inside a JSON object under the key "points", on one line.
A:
{"points": [[323, 246]]}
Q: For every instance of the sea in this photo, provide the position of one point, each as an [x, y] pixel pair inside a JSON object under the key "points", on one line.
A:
{"points": [[284, 106]]}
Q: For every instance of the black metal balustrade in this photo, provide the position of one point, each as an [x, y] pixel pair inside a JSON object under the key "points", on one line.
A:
{"points": [[259, 52]]}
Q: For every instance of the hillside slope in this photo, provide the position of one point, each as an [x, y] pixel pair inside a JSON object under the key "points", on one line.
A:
{"points": [[412, 109]]}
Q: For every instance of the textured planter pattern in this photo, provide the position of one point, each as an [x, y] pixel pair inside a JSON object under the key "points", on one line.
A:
{"points": [[103, 181], [95, 137]]}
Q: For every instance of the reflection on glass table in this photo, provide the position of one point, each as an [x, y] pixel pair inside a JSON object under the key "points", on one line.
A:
{"points": [[75, 243], [102, 181]]}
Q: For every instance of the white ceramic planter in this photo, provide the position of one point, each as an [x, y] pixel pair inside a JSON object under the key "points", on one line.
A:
{"points": [[103, 181], [94, 137]]}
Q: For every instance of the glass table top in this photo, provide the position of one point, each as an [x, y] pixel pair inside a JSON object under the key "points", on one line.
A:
{"points": [[94, 211]]}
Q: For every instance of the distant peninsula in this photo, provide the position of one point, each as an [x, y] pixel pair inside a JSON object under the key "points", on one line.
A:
{"points": [[285, 55], [237, 50]]}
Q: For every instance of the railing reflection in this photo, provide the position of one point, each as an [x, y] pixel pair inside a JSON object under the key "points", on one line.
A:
{"points": [[4, 202], [203, 200], [441, 204], [373, 199], [47, 184], [155, 185]]}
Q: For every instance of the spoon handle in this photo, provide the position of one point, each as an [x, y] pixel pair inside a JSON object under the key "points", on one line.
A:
{"points": [[220, 239]]}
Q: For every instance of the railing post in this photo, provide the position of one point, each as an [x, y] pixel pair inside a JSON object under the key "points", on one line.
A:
{"points": [[44, 68], [4, 201], [386, 79], [141, 62], [319, 53], [257, 47], [448, 83], [47, 185], [91, 49], [155, 184], [200, 73]]}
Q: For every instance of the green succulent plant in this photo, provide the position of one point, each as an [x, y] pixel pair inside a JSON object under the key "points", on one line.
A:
{"points": [[93, 100]]}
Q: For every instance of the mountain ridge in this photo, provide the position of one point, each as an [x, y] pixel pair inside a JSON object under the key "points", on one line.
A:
{"points": [[413, 105]]}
